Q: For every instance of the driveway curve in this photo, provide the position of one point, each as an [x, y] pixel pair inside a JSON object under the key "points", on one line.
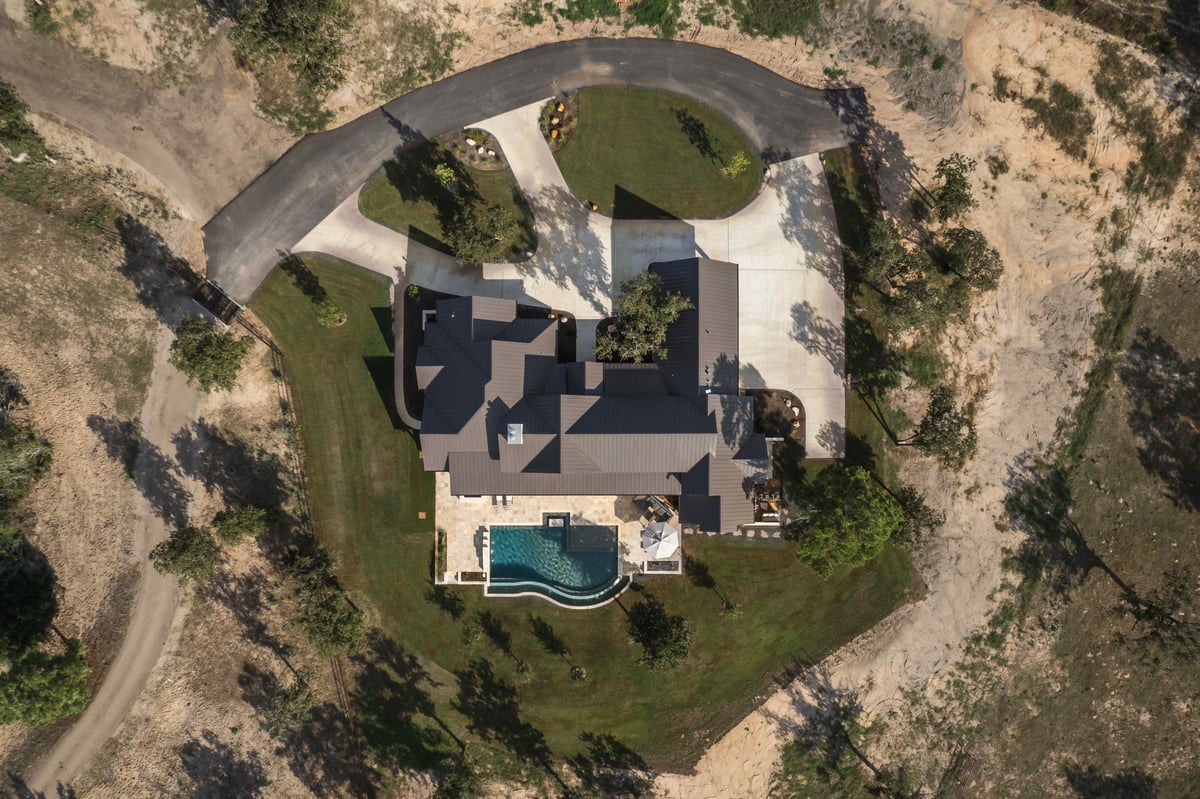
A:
{"points": [[781, 118]]}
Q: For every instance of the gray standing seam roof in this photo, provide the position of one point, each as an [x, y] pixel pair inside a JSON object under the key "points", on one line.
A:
{"points": [[678, 427]]}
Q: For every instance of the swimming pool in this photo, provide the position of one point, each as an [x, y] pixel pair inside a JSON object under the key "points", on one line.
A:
{"points": [[574, 565]]}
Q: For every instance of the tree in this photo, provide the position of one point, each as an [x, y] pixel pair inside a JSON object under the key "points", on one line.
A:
{"points": [[459, 781], [883, 255], [644, 311], [27, 586], [330, 315], [953, 197], [738, 164], [966, 253], [947, 431], [40, 688], [479, 234], [848, 520], [445, 174], [189, 552], [920, 520], [329, 621], [235, 525], [209, 358], [288, 706], [665, 640]]}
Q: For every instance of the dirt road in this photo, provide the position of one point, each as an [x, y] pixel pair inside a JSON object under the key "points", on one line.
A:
{"points": [[179, 135], [171, 405]]}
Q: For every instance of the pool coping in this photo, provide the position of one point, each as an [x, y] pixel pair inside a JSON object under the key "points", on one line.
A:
{"points": [[540, 595]]}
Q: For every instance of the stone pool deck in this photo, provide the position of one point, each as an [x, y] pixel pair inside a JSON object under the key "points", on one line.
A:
{"points": [[466, 520]]}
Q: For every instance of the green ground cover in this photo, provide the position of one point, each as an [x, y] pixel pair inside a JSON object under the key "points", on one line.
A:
{"points": [[642, 154], [367, 486], [407, 196]]}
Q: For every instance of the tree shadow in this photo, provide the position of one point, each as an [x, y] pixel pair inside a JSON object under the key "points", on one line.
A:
{"points": [[610, 768], [627, 205], [322, 752], [570, 253], [446, 601], [122, 438], [1055, 549], [244, 596], [304, 279], [218, 772], [1164, 390], [808, 220], [549, 639], [1089, 783], [236, 471], [17, 788], [493, 712], [697, 133], [700, 575], [829, 722], [157, 478], [161, 278], [819, 335], [395, 711], [29, 589]]}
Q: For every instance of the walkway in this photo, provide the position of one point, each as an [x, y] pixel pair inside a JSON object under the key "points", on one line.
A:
{"points": [[312, 179], [785, 243]]}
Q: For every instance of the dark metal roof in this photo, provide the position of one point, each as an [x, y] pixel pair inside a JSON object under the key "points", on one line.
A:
{"points": [[678, 427]]}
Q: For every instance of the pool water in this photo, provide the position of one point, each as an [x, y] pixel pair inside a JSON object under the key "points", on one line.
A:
{"points": [[572, 564]]}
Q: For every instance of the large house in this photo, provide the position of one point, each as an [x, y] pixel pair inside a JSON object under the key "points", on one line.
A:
{"points": [[504, 417]]}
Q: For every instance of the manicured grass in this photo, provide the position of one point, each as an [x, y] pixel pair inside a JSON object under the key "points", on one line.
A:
{"points": [[406, 196], [366, 482], [643, 154], [367, 486]]}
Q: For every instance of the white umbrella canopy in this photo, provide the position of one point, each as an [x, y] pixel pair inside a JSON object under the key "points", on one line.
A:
{"points": [[660, 540]]}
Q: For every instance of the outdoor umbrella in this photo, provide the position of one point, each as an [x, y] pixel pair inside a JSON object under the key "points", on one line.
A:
{"points": [[660, 540]]}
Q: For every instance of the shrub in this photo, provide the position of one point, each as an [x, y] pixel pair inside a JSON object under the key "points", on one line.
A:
{"points": [[1065, 117], [190, 553], [209, 358], [237, 524], [330, 315], [774, 19], [662, 15], [41, 18]]}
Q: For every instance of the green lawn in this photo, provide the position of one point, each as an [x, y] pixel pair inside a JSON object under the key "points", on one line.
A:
{"points": [[367, 486], [406, 196], [638, 153]]}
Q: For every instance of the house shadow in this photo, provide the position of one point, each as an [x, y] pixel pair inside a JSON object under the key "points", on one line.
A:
{"points": [[638, 241], [382, 369]]}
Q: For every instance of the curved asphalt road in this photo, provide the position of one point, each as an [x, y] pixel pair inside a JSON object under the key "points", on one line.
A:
{"points": [[781, 118]]}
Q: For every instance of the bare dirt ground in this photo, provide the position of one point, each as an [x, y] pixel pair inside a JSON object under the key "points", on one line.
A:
{"points": [[194, 731], [73, 331], [1028, 344]]}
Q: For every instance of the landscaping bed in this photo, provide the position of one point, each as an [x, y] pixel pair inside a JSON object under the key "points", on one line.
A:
{"points": [[644, 154], [408, 195]]}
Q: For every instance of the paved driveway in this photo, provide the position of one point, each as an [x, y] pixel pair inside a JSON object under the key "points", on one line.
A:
{"points": [[781, 118], [784, 242]]}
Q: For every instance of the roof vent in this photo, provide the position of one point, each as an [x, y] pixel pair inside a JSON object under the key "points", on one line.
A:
{"points": [[516, 434]]}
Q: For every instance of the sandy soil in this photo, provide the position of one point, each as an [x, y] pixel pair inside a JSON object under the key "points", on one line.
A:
{"points": [[1025, 344]]}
